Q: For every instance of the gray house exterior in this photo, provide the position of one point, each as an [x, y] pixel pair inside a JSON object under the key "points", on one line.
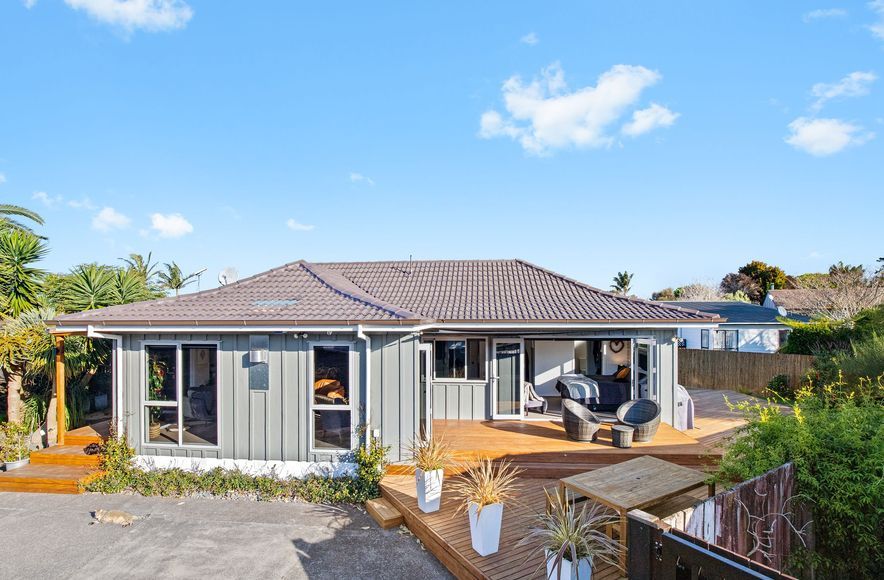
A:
{"points": [[297, 364]]}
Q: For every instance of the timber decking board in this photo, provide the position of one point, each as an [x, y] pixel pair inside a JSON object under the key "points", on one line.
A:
{"points": [[446, 533], [64, 455], [383, 513], [44, 478]]}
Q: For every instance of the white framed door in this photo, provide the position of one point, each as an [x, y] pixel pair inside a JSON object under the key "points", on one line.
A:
{"points": [[644, 365], [425, 390], [507, 370]]}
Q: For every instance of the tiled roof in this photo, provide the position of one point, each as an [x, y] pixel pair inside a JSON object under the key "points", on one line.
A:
{"points": [[736, 312], [802, 300], [378, 292]]}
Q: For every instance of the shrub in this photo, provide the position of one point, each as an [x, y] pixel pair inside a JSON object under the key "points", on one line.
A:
{"points": [[865, 358], [779, 386], [835, 438], [14, 442], [119, 474], [817, 336]]}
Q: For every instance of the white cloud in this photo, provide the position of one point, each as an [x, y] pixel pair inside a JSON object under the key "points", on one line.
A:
{"points": [[49, 201], [84, 203], [297, 226], [878, 27], [821, 137], [823, 14], [29, 3], [359, 178], [150, 15], [649, 119], [172, 225], [856, 84], [2, 178], [544, 115], [110, 219], [530, 39]]}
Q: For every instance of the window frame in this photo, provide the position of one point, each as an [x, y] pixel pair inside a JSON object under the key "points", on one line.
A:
{"points": [[353, 387], [724, 333], [466, 360], [179, 387]]}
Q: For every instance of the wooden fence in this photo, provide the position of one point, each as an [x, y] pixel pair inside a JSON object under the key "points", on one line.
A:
{"points": [[757, 519], [738, 371]]}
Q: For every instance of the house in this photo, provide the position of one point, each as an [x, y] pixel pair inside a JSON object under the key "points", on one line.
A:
{"points": [[803, 302], [292, 364], [748, 328]]}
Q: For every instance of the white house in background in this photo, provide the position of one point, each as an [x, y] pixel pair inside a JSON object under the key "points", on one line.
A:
{"points": [[749, 327], [798, 302]]}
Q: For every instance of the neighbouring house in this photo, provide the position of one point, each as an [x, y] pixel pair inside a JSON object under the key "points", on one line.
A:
{"points": [[801, 301], [748, 328], [295, 364]]}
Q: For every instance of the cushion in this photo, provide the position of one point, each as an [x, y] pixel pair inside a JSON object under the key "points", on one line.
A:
{"points": [[622, 374]]}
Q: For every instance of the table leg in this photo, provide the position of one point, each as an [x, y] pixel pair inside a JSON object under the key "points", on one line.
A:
{"points": [[622, 540]]}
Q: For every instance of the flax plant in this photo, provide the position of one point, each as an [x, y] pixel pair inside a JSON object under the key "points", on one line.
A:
{"points": [[485, 483], [429, 453]]}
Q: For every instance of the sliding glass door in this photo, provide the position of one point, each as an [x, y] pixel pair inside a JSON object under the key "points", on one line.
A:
{"points": [[506, 383]]}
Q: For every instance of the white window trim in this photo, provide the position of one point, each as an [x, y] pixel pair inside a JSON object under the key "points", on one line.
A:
{"points": [[179, 386], [354, 389], [464, 380]]}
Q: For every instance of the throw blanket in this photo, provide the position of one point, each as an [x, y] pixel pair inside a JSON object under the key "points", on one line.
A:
{"points": [[578, 387]]}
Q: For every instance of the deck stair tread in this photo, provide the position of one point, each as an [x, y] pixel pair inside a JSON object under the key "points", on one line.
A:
{"points": [[74, 455], [384, 513], [42, 478]]}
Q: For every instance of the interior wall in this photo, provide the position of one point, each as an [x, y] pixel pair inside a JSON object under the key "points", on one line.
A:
{"points": [[552, 358], [611, 360]]}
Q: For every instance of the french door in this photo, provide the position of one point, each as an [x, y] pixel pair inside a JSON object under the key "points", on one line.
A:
{"points": [[644, 364], [506, 378]]}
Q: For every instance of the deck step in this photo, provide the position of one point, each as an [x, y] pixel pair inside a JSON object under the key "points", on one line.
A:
{"points": [[82, 440], [44, 478], [384, 513], [73, 455]]}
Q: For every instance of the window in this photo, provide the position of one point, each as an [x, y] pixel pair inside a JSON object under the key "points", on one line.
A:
{"points": [[332, 404], [704, 339], [180, 406], [259, 370], [725, 340], [460, 359]]}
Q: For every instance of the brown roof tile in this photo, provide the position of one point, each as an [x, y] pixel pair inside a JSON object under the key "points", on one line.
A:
{"points": [[473, 290]]}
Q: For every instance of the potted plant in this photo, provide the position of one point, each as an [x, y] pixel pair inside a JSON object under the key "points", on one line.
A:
{"points": [[155, 381], [484, 488], [429, 456], [571, 539], [15, 445]]}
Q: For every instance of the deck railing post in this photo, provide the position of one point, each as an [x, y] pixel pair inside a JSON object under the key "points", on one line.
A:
{"points": [[644, 533], [60, 388]]}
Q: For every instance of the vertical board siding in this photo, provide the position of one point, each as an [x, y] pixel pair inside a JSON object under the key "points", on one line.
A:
{"points": [[394, 401], [739, 371], [273, 424]]}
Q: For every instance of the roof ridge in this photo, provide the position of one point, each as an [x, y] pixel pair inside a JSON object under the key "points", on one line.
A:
{"points": [[347, 288], [652, 303]]}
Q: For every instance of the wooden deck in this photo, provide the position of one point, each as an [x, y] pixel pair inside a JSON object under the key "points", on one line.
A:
{"points": [[544, 452]]}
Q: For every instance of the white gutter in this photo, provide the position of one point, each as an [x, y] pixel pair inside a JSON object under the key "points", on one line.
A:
{"points": [[362, 336], [117, 372]]}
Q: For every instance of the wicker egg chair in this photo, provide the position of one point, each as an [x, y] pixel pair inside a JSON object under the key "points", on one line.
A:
{"points": [[580, 423], [641, 414]]}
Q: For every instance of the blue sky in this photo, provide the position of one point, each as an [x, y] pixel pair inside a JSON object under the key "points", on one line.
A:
{"points": [[677, 142]]}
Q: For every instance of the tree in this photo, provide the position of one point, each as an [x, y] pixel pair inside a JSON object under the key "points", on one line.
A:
{"points": [[622, 283], [664, 294], [173, 278], [765, 275], [19, 279], [738, 296], [142, 266], [89, 287], [736, 282], [23, 340], [9, 212], [843, 293], [697, 292]]}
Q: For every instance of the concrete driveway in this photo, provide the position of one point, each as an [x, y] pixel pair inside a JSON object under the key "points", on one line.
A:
{"points": [[50, 536]]}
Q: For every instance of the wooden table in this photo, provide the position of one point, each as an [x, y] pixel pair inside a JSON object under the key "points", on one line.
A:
{"points": [[635, 484]]}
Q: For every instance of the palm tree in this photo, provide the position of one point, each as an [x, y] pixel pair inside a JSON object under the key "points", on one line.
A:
{"points": [[142, 266], [174, 279], [622, 283], [89, 287], [23, 339], [8, 222], [19, 280], [129, 286]]}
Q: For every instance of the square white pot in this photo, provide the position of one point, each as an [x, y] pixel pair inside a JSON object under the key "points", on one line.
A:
{"points": [[429, 489], [583, 572], [485, 527]]}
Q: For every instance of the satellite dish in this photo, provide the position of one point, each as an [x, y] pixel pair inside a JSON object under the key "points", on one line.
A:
{"points": [[228, 276]]}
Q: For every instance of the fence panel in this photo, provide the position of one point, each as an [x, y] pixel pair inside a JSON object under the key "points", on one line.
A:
{"points": [[738, 371]]}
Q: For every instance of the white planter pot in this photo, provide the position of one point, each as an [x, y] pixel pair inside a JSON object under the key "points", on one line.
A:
{"points": [[10, 465], [583, 572], [485, 527], [429, 489]]}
